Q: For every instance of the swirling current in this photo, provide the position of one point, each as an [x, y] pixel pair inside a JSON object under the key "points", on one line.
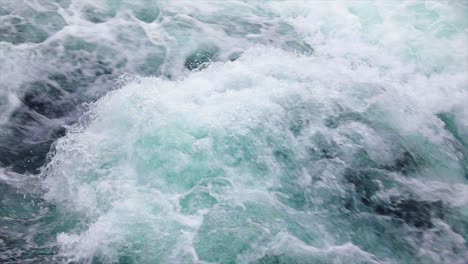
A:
{"points": [[237, 131]]}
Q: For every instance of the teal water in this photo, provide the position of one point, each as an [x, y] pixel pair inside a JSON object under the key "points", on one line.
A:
{"points": [[233, 132]]}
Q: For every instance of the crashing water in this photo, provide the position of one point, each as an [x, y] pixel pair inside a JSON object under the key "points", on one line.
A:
{"points": [[233, 131]]}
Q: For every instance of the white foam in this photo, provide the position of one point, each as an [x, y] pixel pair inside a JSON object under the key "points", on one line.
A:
{"points": [[244, 152]]}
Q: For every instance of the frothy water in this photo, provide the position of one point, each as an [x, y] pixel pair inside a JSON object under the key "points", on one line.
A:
{"points": [[233, 132]]}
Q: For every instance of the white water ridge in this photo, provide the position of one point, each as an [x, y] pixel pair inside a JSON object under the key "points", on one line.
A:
{"points": [[236, 132]]}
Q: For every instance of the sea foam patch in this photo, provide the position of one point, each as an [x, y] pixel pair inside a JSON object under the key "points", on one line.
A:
{"points": [[242, 152], [240, 132]]}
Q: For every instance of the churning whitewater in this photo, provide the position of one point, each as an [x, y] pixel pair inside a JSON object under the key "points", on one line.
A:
{"points": [[233, 131]]}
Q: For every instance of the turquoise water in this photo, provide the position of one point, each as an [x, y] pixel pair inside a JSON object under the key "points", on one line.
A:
{"points": [[233, 132]]}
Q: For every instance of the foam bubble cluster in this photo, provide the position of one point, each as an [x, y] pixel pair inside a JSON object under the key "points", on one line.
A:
{"points": [[234, 132], [273, 157]]}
